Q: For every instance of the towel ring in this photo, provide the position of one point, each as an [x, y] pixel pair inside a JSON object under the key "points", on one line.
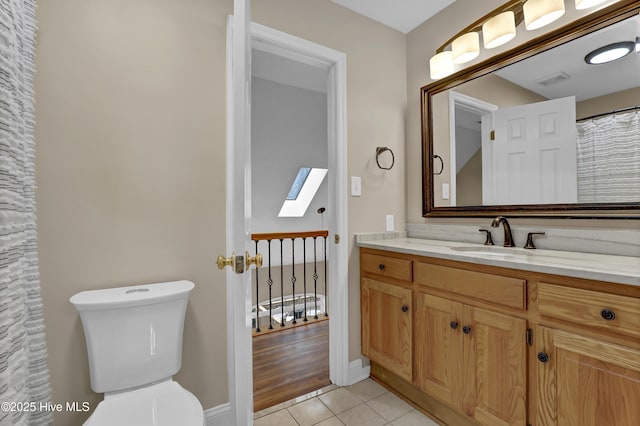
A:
{"points": [[379, 151], [441, 165]]}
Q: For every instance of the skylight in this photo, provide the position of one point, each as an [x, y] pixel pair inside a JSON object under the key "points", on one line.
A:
{"points": [[303, 190]]}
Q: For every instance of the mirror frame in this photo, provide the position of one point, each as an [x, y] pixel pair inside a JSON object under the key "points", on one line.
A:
{"points": [[616, 12]]}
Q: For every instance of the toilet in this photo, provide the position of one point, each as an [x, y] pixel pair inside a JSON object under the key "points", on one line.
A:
{"points": [[134, 346]]}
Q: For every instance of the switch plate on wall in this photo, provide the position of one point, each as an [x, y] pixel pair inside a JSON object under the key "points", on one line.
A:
{"points": [[356, 186], [389, 222], [445, 191]]}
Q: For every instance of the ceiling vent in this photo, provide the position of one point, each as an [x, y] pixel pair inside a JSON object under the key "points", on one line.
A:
{"points": [[553, 79]]}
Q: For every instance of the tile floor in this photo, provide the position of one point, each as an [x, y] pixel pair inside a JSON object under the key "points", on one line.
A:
{"points": [[363, 404]]}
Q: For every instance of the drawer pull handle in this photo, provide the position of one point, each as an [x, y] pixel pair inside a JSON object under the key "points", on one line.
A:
{"points": [[607, 314], [405, 308], [466, 329], [454, 324], [542, 357], [381, 266]]}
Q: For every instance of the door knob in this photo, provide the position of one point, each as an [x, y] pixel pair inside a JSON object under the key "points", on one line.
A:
{"points": [[225, 261], [236, 263], [256, 260]]}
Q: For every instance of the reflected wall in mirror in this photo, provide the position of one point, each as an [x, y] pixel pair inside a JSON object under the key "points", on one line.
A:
{"points": [[543, 133]]}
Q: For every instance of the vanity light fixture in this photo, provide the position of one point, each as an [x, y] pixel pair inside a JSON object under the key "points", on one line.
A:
{"points": [[539, 13], [610, 52], [441, 65], [498, 27], [586, 4], [466, 47], [499, 30]]}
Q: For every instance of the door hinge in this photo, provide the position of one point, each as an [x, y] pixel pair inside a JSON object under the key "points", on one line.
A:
{"points": [[492, 135], [529, 337], [336, 238]]}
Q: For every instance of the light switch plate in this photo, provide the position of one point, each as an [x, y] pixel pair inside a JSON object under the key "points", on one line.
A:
{"points": [[390, 222], [356, 186], [445, 191]]}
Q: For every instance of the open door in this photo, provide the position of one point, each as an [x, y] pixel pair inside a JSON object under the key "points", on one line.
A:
{"points": [[238, 212], [533, 155]]}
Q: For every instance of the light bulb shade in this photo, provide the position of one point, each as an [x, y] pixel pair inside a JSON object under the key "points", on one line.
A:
{"points": [[610, 52], [465, 48], [586, 4], [538, 13], [499, 30], [441, 65]]}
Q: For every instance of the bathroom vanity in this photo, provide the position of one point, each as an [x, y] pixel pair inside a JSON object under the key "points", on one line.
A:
{"points": [[490, 335]]}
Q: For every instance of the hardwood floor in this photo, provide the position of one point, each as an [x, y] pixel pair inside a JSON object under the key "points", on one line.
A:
{"points": [[290, 363]]}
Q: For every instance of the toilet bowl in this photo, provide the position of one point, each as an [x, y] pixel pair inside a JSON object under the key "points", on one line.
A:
{"points": [[134, 346]]}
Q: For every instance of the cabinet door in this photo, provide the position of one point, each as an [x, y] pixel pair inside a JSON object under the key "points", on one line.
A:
{"points": [[386, 326], [499, 351], [438, 348], [586, 382]]}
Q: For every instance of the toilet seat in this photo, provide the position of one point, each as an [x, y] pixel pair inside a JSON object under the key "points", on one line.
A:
{"points": [[162, 404]]}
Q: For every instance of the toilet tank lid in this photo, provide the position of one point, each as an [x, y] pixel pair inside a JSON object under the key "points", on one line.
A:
{"points": [[137, 295]]}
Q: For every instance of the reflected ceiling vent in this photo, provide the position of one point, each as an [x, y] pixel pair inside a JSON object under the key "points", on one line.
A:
{"points": [[553, 79]]}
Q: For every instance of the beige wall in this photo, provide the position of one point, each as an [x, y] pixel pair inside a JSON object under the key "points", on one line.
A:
{"points": [[608, 103], [130, 168], [422, 43]]}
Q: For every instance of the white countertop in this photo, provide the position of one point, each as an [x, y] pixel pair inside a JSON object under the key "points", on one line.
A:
{"points": [[593, 266]]}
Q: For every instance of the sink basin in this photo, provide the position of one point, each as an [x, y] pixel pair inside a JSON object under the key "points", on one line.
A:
{"points": [[490, 251]]}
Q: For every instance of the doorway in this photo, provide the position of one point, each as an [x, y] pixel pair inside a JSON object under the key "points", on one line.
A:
{"points": [[239, 171], [289, 168]]}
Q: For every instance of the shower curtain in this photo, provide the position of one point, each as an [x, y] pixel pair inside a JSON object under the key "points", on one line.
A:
{"points": [[609, 159], [24, 377]]}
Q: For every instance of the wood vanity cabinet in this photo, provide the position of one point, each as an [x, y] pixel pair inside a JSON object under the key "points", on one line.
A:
{"points": [[471, 358], [587, 380], [494, 346], [386, 313]]}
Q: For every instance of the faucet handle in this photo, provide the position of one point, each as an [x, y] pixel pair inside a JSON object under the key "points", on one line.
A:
{"points": [[529, 244], [488, 241]]}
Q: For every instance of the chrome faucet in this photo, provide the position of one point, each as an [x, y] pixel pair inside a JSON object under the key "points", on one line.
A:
{"points": [[508, 238]]}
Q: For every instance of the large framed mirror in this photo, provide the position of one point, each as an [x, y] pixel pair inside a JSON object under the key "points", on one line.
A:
{"points": [[537, 131]]}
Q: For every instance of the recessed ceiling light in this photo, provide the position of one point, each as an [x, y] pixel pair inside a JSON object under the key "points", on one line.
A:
{"points": [[610, 52]]}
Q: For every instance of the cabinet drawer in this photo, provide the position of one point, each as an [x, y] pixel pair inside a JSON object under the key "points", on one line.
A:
{"points": [[497, 289], [590, 308], [385, 266]]}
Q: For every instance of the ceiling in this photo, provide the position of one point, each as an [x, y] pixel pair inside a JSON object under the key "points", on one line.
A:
{"points": [[562, 71], [403, 15]]}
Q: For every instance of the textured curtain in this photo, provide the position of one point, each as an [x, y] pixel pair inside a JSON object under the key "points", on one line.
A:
{"points": [[609, 159], [24, 377]]}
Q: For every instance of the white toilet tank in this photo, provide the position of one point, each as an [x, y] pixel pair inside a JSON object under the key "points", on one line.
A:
{"points": [[133, 334]]}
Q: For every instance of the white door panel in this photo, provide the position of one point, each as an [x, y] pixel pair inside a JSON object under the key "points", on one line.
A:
{"points": [[239, 347], [534, 154]]}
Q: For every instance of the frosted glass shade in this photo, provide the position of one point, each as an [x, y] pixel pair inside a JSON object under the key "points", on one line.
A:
{"points": [[538, 13], [465, 48], [586, 4], [441, 65], [499, 30]]}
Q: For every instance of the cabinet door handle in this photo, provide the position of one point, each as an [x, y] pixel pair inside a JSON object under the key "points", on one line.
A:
{"points": [[454, 324], [607, 314], [381, 266], [466, 329], [405, 308], [542, 357]]}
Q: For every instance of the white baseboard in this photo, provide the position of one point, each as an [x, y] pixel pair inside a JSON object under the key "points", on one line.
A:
{"points": [[357, 371], [218, 416], [221, 414]]}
